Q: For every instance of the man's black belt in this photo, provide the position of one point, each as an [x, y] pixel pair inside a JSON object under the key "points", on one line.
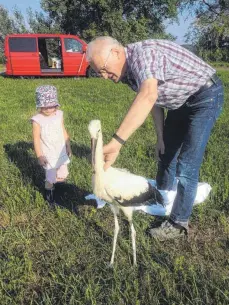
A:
{"points": [[211, 81]]}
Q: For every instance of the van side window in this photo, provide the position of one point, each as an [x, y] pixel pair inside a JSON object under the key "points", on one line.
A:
{"points": [[19, 44], [72, 45]]}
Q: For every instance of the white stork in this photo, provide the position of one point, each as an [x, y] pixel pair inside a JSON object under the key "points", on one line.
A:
{"points": [[118, 187]]}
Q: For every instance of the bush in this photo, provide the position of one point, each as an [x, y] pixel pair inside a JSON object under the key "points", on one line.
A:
{"points": [[217, 55], [2, 58]]}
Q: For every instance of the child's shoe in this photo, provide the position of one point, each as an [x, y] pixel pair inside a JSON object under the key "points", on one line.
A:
{"points": [[49, 196]]}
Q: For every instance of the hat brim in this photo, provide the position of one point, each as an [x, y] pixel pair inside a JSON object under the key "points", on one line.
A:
{"points": [[48, 105]]}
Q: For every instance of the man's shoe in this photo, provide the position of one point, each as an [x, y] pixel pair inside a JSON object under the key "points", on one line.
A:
{"points": [[168, 230]]}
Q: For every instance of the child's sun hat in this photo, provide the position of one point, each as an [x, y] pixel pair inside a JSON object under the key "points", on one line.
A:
{"points": [[46, 96]]}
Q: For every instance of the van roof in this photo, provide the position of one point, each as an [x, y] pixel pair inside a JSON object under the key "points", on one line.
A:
{"points": [[46, 35]]}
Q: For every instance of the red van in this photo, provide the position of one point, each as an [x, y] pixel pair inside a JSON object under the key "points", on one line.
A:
{"points": [[46, 55]]}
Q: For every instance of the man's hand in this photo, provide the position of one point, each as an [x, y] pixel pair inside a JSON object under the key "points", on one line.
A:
{"points": [[160, 149], [42, 161], [111, 152]]}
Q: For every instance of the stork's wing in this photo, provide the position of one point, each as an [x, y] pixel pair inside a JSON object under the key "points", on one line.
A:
{"points": [[129, 189], [151, 196]]}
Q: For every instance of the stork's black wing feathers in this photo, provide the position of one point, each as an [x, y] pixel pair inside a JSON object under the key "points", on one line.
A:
{"points": [[151, 196], [158, 197]]}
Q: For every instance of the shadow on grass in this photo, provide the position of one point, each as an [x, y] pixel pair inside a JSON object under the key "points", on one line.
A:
{"points": [[81, 151], [67, 195]]}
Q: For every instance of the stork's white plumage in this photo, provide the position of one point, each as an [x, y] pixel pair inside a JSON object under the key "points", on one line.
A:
{"points": [[118, 187]]}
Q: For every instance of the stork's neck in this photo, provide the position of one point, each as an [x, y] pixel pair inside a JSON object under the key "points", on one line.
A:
{"points": [[99, 155], [98, 183]]}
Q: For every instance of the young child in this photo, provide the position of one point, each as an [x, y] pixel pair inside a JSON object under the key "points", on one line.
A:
{"points": [[51, 140]]}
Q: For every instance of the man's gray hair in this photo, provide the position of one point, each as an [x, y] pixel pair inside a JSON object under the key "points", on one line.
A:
{"points": [[100, 45]]}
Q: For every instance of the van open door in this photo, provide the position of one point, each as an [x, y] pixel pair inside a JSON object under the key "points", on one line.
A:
{"points": [[50, 55]]}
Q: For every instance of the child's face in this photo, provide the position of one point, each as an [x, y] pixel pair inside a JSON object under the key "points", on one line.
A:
{"points": [[48, 110]]}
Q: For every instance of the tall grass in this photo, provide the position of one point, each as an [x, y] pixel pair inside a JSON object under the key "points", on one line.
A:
{"points": [[60, 256]]}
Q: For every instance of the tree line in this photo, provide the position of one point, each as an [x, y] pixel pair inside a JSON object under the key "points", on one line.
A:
{"points": [[126, 20], [210, 29]]}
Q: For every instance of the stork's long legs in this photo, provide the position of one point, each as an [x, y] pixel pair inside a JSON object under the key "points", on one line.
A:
{"points": [[128, 212], [133, 237], [116, 230]]}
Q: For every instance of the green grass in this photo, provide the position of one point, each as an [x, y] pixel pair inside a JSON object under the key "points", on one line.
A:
{"points": [[60, 257]]}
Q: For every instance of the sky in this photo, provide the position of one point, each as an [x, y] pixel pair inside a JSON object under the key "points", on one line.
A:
{"points": [[178, 30]]}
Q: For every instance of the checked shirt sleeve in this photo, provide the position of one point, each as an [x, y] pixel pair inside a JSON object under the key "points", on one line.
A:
{"points": [[148, 63]]}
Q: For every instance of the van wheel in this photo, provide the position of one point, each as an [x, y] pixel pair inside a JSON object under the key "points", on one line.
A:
{"points": [[91, 73]]}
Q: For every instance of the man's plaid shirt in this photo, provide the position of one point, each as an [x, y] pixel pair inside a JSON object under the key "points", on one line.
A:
{"points": [[179, 72]]}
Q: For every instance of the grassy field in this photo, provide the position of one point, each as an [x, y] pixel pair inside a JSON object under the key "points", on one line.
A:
{"points": [[58, 257]]}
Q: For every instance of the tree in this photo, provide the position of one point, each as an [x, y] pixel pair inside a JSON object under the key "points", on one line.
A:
{"points": [[210, 30], [6, 27], [125, 20], [34, 22], [40, 23]]}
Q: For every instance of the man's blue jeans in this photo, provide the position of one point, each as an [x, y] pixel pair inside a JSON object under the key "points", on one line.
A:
{"points": [[186, 133]]}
